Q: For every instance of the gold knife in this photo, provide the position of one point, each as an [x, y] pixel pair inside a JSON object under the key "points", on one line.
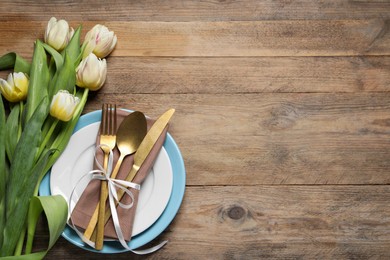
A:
{"points": [[147, 144], [143, 151]]}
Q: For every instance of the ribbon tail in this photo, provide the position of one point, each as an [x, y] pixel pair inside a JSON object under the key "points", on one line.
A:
{"points": [[150, 250], [115, 219], [119, 232]]}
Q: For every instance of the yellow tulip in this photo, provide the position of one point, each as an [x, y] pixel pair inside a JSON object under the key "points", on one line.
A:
{"points": [[14, 89], [63, 105], [91, 72], [100, 41], [58, 33]]}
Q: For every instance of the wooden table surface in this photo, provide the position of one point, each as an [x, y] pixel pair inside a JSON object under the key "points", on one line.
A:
{"points": [[282, 117]]}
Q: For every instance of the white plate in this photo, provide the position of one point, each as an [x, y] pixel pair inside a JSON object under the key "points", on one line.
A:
{"points": [[77, 160]]}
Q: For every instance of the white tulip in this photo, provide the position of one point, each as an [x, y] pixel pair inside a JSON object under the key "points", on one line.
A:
{"points": [[14, 89], [63, 105], [91, 72], [100, 41], [58, 33]]}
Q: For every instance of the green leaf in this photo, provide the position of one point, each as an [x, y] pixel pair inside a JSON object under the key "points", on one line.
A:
{"points": [[73, 47], [25, 151], [3, 170], [39, 80], [56, 211], [16, 213], [14, 61], [47, 125], [65, 77], [55, 54], [23, 177], [10, 133]]}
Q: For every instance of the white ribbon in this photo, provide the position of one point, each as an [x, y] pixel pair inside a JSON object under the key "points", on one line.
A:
{"points": [[113, 185]]}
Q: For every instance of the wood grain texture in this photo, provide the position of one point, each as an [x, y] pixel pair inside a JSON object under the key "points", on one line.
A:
{"points": [[196, 75], [194, 10], [284, 138], [205, 39], [282, 118], [331, 222], [247, 74]]}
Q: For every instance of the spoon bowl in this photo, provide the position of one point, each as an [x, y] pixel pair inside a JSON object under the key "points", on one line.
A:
{"points": [[129, 136]]}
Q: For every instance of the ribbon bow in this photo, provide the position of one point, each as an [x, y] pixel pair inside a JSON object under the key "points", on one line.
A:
{"points": [[113, 186]]}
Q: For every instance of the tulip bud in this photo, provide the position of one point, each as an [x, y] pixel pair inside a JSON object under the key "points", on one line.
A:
{"points": [[91, 72], [15, 88], [58, 33], [63, 105], [100, 41]]}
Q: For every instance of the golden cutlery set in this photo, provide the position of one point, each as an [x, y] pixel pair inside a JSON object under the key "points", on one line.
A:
{"points": [[130, 137]]}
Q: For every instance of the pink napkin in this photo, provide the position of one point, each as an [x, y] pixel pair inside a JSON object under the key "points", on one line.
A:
{"points": [[86, 205]]}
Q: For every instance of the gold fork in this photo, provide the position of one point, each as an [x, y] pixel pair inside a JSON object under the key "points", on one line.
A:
{"points": [[108, 128]]}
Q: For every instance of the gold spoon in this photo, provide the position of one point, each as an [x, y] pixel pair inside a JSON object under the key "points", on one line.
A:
{"points": [[129, 136]]}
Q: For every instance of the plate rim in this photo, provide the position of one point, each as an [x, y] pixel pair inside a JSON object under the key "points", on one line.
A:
{"points": [[169, 213]]}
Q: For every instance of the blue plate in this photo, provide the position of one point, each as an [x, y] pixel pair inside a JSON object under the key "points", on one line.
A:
{"points": [[178, 188]]}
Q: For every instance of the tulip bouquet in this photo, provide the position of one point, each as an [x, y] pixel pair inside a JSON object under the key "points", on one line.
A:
{"points": [[40, 105]]}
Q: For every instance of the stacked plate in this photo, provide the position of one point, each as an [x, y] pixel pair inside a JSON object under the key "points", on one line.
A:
{"points": [[160, 196]]}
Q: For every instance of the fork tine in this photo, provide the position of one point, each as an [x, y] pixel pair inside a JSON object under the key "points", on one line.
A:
{"points": [[109, 118], [103, 119], [108, 125], [112, 116], [114, 125], [109, 109], [106, 118]]}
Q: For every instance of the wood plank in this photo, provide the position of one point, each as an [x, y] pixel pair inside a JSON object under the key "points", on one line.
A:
{"points": [[243, 10], [247, 74], [327, 222], [264, 38], [284, 138]]}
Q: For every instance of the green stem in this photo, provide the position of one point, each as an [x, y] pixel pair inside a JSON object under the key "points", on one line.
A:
{"points": [[47, 138], [19, 245], [20, 119], [30, 238], [80, 57], [81, 105], [29, 244]]}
